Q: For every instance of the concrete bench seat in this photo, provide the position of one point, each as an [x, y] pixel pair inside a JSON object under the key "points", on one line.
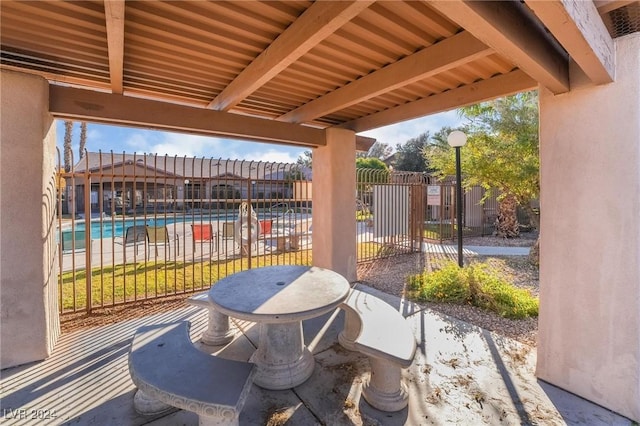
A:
{"points": [[218, 331], [376, 329], [170, 372]]}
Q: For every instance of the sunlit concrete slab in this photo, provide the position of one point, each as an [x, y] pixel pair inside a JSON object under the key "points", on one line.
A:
{"points": [[462, 374], [475, 250]]}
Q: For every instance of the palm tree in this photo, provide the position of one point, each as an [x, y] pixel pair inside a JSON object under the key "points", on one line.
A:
{"points": [[507, 225], [68, 154], [83, 138]]}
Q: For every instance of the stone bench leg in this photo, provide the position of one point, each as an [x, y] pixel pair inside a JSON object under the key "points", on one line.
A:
{"points": [[282, 359], [218, 331], [384, 389], [351, 330], [149, 406]]}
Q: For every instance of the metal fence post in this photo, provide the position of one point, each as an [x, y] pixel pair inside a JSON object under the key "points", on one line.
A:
{"points": [[87, 234]]}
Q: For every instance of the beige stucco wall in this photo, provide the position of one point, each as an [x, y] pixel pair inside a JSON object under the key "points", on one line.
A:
{"points": [[334, 203], [589, 325], [29, 324]]}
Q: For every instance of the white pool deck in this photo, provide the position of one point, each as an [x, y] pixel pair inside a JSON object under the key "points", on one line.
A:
{"points": [[108, 251], [111, 251], [461, 375]]}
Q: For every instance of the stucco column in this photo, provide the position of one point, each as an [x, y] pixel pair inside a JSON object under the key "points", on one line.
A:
{"points": [[334, 203], [589, 325], [29, 323]]}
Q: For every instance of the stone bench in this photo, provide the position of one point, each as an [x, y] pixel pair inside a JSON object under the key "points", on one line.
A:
{"points": [[376, 329], [218, 331], [170, 372]]}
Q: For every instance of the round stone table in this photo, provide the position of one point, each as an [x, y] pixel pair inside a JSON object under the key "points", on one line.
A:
{"points": [[278, 298]]}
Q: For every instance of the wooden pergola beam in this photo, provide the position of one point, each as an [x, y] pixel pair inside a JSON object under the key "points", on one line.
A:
{"points": [[606, 6], [580, 30], [114, 16], [108, 108], [502, 85], [364, 143], [503, 26], [447, 54], [318, 22]]}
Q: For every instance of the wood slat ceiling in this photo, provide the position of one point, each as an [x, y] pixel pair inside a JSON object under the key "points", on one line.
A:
{"points": [[313, 63]]}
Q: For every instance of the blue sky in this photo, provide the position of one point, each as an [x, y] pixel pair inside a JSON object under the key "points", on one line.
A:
{"points": [[130, 140]]}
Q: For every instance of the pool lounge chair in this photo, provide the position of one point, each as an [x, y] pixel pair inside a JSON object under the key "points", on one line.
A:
{"points": [[133, 236], [204, 233], [73, 241], [159, 236]]}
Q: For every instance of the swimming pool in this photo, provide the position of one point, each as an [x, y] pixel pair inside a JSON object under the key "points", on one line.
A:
{"points": [[108, 227]]}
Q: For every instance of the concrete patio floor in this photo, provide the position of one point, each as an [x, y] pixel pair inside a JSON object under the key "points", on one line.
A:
{"points": [[461, 375]]}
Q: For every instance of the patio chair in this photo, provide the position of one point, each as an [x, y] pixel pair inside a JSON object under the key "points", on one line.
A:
{"points": [[159, 236], [73, 241], [133, 236], [204, 233], [228, 233]]}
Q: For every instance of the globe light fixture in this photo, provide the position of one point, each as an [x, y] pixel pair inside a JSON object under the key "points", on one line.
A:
{"points": [[457, 139]]}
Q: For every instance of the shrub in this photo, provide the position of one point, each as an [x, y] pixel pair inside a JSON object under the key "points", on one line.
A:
{"points": [[449, 284], [476, 284]]}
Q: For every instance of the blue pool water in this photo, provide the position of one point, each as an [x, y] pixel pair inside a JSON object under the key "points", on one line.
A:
{"points": [[110, 228]]}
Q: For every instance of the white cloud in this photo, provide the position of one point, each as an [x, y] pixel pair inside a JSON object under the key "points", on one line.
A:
{"points": [[137, 142], [201, 146], [94, 135], [272, 155], [402, 132], [171, 144], [128, 139]]}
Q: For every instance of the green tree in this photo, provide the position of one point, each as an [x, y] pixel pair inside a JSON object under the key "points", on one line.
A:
{"points": [[409, 156], [369, 171], [370, 163], [501, 152], [294, 173], [379, 150], [305, 160]]}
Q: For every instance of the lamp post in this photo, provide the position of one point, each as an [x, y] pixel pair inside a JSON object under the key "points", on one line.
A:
{"points": [[184, 193], [457, 139]]}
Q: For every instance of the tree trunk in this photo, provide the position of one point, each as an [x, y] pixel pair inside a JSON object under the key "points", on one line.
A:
{"points": [[534, 218], [534, 254], [83, 139], [508, 226], [68, 153]]}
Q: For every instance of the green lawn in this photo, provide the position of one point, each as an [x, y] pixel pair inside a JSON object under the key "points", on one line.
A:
{"points": [[119, 284]]}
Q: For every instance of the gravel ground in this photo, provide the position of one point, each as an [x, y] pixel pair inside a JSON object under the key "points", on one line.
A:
{"points": [[390, 275]]}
